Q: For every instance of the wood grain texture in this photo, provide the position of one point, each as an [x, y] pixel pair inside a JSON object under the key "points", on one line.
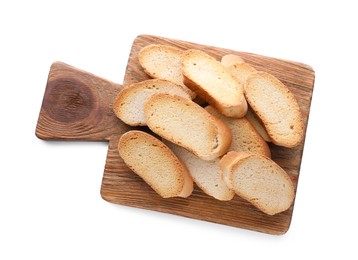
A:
{"points": [[122, 186], [78, 106]]}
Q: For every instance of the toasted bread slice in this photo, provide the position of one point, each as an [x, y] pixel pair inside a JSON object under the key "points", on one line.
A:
{"points": [[229, 60], [239, 68], [163, 62], [276, 107], [226, 163], [242, 71], [244, 136], [129, 103], [257, 124], [156, 164], [214, 83], [206, 174], [259, 180], [187, 124]]}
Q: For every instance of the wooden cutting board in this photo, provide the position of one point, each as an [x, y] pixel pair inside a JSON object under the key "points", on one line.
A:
{"points": [[78, 106]]}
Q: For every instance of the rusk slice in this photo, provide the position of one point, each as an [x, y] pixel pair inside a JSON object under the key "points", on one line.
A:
{"points": [[258, 180], [163, 62], [257, 124], [185, 123], [214, 83], [244, 136], [276, 107], [239, 68], [129, 103], [229, 60], [206, 174], [156, 164]]}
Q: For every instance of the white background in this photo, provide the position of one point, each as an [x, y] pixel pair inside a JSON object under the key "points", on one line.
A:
{"points": [[50, 205]]}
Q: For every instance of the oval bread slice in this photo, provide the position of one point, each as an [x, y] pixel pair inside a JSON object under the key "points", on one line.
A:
{"points": [[239, 68], [257, 124], [156, 164], [258, 180], [187, 124], [206, 174], [214, 83], [229, 60], [163, 62], [276, 107], [245, 138], [129, 103]]}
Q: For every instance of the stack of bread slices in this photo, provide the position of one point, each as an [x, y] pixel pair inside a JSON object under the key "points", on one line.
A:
{"points": [[219, 143]]}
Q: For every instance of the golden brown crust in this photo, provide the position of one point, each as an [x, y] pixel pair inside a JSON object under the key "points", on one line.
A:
{"points": [[234, 103], [264, 183], [237, 111], [188, 184], [215, 136], [224, 137], [229, 60], [245, 138], [276, 107], [198, 90], [147, 156], [257, 124], [242, 71], [163, 61], [127, 107], [226, 164]]}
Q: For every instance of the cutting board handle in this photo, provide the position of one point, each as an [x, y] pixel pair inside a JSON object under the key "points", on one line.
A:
{"points": [[77, 105]]}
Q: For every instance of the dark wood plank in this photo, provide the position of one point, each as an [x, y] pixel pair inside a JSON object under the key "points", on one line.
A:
{"points": [[122, 186]]}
